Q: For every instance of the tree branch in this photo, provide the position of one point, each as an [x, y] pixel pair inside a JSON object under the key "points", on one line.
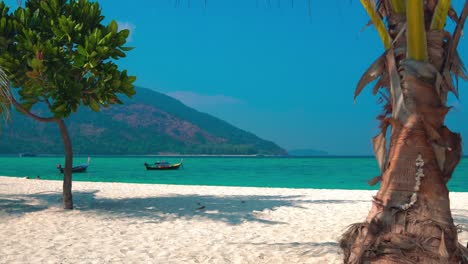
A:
{"points": [[28, 113]]}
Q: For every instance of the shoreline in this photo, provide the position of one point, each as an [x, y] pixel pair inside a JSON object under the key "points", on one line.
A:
{"points": [[208, 186], [122, 222], [39, 155], [201, 185]]}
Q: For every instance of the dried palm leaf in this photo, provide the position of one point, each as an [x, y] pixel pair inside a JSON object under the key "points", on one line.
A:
{"points": [[439, 152], [379, 143], [443, 253], [463, 252], [373, 72], [457, 34], [348, 238], [381, 83], [452, 13], [374, 180], [448, 83], [458, 68], [399, 110], [436, 47]]}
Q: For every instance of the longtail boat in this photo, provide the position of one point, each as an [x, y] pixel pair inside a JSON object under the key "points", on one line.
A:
{"points": [[76, 169], [163, 165]]}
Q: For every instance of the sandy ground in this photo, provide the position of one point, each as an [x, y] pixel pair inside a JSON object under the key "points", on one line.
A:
{"points": [[140, 223]]}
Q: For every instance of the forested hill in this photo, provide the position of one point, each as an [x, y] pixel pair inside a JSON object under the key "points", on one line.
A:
{"points": [[149, 123]]}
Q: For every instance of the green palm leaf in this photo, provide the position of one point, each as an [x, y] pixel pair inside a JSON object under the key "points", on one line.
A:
{"points": [[4, 96], [440, 15], [378, 22]]}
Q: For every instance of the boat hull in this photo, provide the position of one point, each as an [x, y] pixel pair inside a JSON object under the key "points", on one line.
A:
{"points": [[159, 167], [76, 169]]}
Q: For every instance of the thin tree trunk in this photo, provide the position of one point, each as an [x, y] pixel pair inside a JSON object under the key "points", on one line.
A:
{"points": [[67, 175]]}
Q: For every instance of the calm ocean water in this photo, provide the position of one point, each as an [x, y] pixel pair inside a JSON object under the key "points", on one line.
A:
{"points": [[329, 172]]}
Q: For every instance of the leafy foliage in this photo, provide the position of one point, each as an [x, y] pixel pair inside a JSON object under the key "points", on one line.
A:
{"points": [[60, 53]]}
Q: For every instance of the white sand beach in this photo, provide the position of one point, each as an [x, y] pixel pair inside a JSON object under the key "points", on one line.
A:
{"points": [[142, 223]]}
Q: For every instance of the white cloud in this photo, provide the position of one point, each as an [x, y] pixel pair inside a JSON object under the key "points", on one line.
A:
{"points": [[193, 99], [127, 25]]}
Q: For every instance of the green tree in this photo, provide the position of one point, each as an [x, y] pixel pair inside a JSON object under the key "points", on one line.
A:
{"points": [[59, 53], [410, 220]]}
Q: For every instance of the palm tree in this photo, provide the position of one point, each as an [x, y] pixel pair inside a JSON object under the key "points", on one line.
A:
{"points": [[410, 219], [4, 95]]}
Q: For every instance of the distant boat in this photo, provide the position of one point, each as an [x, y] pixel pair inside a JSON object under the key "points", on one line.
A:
{"points": [[24, 155], [79, 168], [163, 165]]}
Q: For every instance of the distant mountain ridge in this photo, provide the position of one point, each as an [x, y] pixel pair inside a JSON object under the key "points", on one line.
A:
{"points": [[149, 123]]}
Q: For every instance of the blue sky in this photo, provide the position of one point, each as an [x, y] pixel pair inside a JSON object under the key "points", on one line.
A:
{"points": [[285, 73]]}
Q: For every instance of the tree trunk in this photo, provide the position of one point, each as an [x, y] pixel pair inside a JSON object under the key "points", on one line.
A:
{"points": [[398, 230], [67, 175], [410, 220]]}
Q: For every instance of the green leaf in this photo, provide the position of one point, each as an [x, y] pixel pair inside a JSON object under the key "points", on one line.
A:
{"points": [[94, 105], [82, 51], [36, 64], [61, 108], [113, 26], [127, 48]]}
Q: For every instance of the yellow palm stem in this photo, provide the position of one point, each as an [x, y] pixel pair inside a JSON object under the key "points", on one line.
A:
{"points": [[378, 22], [399, 6], [416, 32], [440, 15]]}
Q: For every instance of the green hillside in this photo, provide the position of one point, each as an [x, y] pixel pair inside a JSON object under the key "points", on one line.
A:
{"points": [[149, 123]]}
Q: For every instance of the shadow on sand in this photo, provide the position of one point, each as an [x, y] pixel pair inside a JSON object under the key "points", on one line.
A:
{"points": [[312, 249], [229, 209]]}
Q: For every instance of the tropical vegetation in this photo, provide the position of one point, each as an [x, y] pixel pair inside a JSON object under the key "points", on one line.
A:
{"points": [[58, 53]]}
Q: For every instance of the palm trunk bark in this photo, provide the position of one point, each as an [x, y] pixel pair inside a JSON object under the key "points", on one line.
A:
{"points": [[67, 175], [410, 220], [397, 230]]}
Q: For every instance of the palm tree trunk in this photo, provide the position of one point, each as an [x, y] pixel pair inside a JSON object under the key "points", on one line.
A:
{"points": [[410, 220], [400, 228], [67, 175]]}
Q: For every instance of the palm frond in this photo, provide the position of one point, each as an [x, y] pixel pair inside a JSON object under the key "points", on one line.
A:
{"points": [[440, 15], [373, 72], [457, 33], [369, 5], [452, 13], [5, 101], [379, 143], [458, 68]]}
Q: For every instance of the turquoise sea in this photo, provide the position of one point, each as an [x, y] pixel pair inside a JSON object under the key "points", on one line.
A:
{"points": [[288, 172]]}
